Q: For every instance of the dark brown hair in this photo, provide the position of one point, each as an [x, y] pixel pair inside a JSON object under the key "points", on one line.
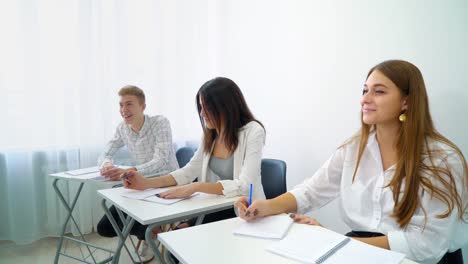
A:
{"points": [[225, 105], [413, 147]]}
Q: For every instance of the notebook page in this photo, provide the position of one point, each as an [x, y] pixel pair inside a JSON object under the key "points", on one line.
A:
{"points": [[92, 173], [159, 200], [139, 195], [366, 254], [275, 226], [96, 176], [308, 245], [82, 171]]}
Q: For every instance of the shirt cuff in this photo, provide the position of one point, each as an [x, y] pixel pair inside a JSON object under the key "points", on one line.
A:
{"points": [[230, 188], [397, 242], [104, 161], [301, 200], [179, 177]]}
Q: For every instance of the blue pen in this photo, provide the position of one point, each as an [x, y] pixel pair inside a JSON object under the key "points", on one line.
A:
{"points": [[250, 195]]}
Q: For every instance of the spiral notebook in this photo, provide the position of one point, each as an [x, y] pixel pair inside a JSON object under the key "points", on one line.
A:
{"points": [[318, 245], [301, 246]]}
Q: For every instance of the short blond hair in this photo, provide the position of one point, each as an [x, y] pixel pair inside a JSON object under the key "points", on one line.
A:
{"points": [[133, 90]]}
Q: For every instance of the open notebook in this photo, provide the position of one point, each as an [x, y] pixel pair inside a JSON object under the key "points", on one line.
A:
{"points": [[156, 199], [150, 196], [92, 173], [317, 245], [83, 171], [275, 226]]}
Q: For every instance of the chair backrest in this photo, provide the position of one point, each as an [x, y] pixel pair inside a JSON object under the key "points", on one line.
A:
{"points": [[184, 155], [273, 177]]}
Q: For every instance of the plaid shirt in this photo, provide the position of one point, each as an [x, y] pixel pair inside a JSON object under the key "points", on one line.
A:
{"points": [[151, 147]]}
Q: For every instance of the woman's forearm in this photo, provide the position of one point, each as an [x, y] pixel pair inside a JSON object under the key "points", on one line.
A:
{"points": [[285, 203], [381, 241], [161, 181], [207, 187]]}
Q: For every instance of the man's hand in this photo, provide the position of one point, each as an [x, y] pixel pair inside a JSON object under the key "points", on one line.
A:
{"points": [[112, 173]]}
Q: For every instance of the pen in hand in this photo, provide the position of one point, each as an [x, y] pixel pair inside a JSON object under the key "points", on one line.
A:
{"points": [[127, 174], [250, 195], [124, 177]]}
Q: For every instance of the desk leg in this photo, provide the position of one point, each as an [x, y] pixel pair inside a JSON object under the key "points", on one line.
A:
{"points": [[70, 216], [200, 219], [123, 235], [166, 254], [151, 242], [124, 220], [167, 258]]}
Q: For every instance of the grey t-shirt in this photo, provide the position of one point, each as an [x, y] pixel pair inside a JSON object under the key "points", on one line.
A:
{"points": [[224, 168]]}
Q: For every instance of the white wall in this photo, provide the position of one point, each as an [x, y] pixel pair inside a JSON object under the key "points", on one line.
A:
{"points": [[302, 64]]}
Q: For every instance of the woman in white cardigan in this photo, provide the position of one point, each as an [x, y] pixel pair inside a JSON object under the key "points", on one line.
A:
{"points": [[229, 157]]}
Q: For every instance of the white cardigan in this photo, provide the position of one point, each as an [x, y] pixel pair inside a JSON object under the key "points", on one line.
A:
{"points": [[247, 165]]}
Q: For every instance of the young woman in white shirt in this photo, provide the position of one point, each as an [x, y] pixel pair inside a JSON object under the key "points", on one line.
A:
{"points": [[229, 157], [402, 185]]}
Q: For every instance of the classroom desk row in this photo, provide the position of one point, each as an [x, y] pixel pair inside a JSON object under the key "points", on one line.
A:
{"points": [[209, 243]]}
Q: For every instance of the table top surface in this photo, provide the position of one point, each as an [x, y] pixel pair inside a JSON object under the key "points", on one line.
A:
{"points": [[146, 212], [215, 243], [64, 175]]}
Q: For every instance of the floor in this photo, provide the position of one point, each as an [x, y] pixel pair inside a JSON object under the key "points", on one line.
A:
{"points": [[43, 251]]}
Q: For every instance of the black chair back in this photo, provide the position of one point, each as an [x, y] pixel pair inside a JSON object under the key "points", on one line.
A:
{"points": [[455, 257]]}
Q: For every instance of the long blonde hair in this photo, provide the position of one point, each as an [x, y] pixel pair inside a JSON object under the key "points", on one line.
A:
{"points": [[413, 147]]}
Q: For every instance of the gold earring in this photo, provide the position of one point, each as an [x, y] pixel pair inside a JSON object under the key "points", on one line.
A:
{"points": [[402, 117]]}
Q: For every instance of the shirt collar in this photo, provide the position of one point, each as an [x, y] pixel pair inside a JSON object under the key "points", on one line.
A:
{"points": [[373, 147], [143, 128], [145, 125]]}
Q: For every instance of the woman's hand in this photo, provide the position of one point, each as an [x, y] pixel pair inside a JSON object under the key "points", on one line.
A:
{"points": [[304, 219], [134, 180], [257, 209], [179, 192]]}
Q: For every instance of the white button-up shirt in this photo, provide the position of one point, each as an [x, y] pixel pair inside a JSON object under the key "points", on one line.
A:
{"points": [[151, 147], [367, 205]]}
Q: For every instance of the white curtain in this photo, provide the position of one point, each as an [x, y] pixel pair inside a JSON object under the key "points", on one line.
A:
{"points": [[61, 65], [300, 64]]}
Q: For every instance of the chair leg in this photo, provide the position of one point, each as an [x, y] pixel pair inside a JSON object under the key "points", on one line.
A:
{"points": [[138, 245]]}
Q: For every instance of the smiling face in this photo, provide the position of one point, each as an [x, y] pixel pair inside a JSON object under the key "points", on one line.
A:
{"points": [[382, 101], [131, 109]]}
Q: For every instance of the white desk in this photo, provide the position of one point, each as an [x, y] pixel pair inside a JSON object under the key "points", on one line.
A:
{"points": [[215, 243], [154, 214], [69, 208]]}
